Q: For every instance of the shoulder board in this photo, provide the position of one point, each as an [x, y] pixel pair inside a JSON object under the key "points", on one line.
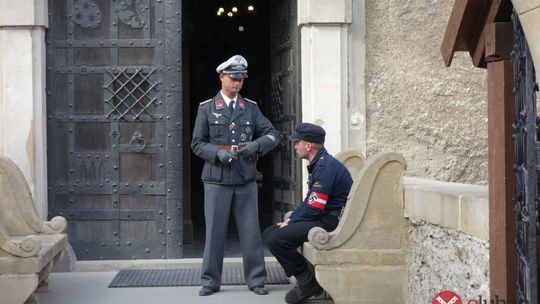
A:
{"points": [[249, 100], [205, 102], [321, 162]]}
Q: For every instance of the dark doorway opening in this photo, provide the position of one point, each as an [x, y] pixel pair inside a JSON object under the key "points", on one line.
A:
{"points": [[209, 38]]}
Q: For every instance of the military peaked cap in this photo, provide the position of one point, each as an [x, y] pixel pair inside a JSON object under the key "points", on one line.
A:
{"points": [[235, 67]]}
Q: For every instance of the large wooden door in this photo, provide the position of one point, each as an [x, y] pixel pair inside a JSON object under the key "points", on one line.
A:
{"points": [[286, 105], [114, 126]]}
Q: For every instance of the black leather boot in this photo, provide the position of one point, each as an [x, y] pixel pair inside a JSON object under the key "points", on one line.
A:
{"points": [[306, 287]]}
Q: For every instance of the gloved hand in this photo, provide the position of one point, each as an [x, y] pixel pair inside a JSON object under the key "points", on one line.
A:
{"points": [[248, 148], [226, 157]]}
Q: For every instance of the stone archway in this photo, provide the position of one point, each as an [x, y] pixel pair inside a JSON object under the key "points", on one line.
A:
{"points": [[529, 16]]}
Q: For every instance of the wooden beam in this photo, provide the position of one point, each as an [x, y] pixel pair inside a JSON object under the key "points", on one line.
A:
{"points": [[478, 41], [462, 27], [502, 220], [499, 41]]}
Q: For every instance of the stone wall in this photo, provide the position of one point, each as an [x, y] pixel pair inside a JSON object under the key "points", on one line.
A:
{"points": [[449, 239], [435, 116], [444, 259]]}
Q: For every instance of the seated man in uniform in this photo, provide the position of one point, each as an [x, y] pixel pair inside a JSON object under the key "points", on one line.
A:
{"points": [[329, 184]]}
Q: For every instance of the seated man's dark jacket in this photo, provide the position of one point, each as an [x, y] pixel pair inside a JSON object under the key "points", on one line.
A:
{"points": [[329, 184]]}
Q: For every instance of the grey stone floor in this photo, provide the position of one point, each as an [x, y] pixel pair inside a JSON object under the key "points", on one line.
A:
{"points": [[92, 288]]}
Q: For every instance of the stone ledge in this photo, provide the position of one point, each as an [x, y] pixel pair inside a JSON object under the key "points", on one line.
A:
{"points": [[460, 207]]}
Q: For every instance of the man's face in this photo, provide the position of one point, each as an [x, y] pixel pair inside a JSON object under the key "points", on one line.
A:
{"points": [[230, 86], [302, 148]]}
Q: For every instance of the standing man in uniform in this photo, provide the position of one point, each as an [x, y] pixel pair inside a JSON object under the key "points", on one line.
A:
{"points": [[230, 132], [329, 184]]}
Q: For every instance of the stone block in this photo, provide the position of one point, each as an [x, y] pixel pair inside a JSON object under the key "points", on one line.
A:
{"points": [[475, 216], [364, 284], [18, 286], [323, 11], [441, 204], [424, 205], [451, 213], [23, 13]]}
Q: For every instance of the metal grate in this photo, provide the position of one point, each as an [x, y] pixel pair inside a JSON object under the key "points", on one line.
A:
{"points": [[131, 94], [189, 277]]}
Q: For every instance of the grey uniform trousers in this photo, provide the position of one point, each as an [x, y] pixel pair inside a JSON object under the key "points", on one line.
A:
{"points": [[219, 202]]}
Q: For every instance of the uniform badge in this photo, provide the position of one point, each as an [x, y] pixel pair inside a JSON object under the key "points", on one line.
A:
{"points": [[241, 103], [316, 185], [217, 115], [232, 125], [219, 104], [243, 137], [248, 130]]}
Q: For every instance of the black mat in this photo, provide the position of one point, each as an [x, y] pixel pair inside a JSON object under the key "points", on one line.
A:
{"points": [[188, 277]]}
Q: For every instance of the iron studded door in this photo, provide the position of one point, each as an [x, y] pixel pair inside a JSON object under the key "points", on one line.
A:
{"points": [[285, 93], [114, 129]]}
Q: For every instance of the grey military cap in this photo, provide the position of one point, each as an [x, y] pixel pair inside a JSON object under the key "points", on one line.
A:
{"points": [[235, 67]]}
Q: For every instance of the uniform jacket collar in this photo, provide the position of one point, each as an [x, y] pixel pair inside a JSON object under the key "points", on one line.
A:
{"points": [[221, 107], [316, 159]]}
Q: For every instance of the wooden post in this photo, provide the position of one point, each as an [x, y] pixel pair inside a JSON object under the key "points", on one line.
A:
{"points": [[501, 158]]}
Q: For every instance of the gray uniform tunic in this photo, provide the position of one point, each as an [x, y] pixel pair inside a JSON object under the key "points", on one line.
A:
{"points": [[231, 188]]}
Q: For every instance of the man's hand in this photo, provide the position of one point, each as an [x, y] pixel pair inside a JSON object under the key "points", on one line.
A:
{"points": [[248, 148], [226, 157], [283, 224]]}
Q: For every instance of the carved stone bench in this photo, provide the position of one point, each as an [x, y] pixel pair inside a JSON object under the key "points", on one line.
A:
{"points": [[364, 260], [29, 246]]}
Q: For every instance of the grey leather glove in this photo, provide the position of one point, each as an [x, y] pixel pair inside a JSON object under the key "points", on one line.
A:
{"points": [[248, 148], [226, 157]]}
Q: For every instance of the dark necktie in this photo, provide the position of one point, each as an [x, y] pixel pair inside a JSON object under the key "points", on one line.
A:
{"points": [[231, 106]]}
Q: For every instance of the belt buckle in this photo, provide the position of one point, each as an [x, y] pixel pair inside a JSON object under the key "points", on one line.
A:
{"points": [[234, 148]]}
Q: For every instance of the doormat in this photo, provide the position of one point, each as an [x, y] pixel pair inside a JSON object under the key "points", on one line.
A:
{"points": [[189, 277]]}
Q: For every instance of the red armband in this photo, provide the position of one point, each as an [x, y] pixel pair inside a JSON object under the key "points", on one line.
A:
{"points": [[318, 200]]}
